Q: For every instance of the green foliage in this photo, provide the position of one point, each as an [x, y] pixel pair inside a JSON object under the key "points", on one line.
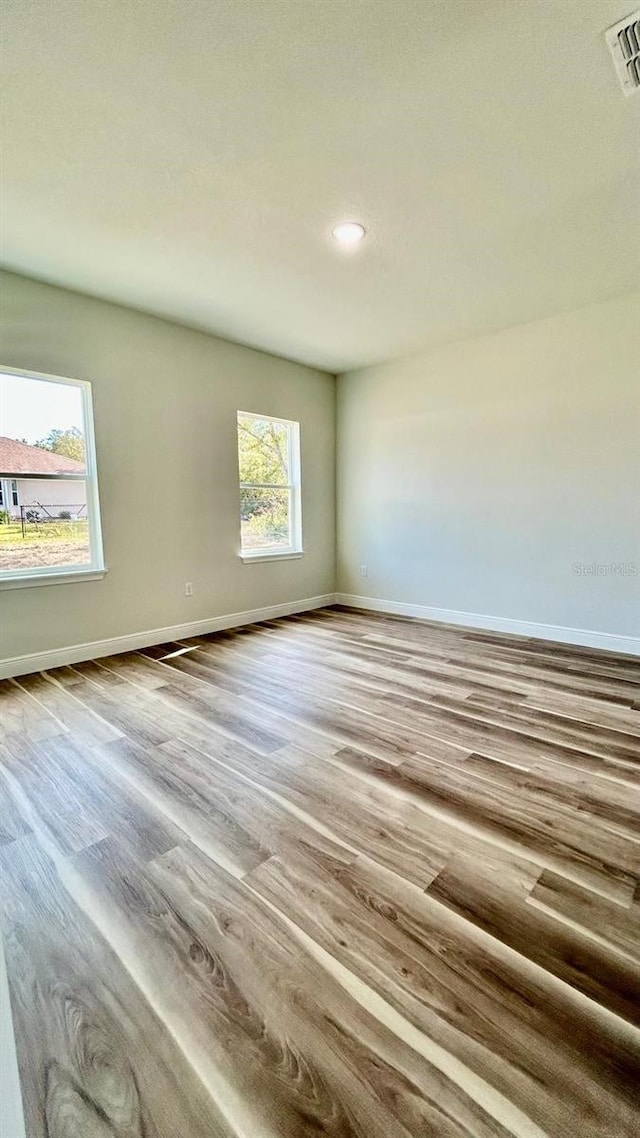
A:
{"points": [[264, 515], [69, 443], [4, 517], [263, 451]]}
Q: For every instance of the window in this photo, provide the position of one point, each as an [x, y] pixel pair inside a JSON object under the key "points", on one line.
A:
{"points": [[50, 520], [269, 465]]}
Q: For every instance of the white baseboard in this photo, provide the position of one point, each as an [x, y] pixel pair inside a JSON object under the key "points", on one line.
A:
{"points": [[73, 654], [609, 641]]}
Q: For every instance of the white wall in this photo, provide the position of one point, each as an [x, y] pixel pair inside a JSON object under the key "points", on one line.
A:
{"points": [[165, 401], [476, 477], [48, 492], [471, 479]]}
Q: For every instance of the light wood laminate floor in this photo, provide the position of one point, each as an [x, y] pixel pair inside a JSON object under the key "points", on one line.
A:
{"points": [[339, 874]]}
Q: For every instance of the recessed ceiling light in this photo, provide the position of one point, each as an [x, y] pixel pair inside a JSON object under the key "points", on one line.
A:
{"points": [[348, 232]]}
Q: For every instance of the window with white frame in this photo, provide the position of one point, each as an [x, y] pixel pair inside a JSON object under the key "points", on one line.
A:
{"points": [[49, 515], [269, 467]]}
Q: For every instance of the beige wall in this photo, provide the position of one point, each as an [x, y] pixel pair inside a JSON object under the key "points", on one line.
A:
{"points": [[165, 401], [471, 479], [474, 478]]}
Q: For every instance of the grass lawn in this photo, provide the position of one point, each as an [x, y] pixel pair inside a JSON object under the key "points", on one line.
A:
{"points": [[57, 542]]}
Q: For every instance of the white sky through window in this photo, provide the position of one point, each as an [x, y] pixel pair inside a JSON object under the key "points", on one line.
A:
{"points": [[31, 408]]}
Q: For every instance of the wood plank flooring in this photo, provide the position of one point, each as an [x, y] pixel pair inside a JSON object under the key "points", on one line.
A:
{"points": [[340, 874]]}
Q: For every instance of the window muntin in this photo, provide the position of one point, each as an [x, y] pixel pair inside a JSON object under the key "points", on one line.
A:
{"points": [[269, 468], [50, 525]]}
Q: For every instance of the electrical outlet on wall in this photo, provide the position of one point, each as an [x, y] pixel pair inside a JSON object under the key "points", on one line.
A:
{"points": [[188, 588], [364, 570]]}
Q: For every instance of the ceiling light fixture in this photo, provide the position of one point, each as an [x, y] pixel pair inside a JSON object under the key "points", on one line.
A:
{"points": [[348, 232]]}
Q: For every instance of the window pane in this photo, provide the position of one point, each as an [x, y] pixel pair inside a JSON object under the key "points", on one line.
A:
{"points": [[263, 450], [44, 519], [45, 414], [49, 527], [265, 518]]}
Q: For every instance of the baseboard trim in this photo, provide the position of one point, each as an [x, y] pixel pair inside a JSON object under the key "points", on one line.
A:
{"points": [[608, 641], [73, 654]]}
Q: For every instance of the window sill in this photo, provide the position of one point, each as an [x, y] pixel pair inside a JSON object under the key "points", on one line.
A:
{"points": [[285, 555], [66, 577]]}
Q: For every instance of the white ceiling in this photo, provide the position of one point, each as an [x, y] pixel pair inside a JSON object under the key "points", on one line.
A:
{"points": [[189, 157]]}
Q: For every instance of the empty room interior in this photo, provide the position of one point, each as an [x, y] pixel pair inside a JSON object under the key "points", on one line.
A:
{"points": [[320, 569]]}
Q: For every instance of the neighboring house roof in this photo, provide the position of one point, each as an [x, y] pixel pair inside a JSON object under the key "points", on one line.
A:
{"points": [[20, 458]]}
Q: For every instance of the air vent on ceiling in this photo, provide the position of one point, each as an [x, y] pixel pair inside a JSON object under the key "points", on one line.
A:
{"points": [[624, 43]]}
